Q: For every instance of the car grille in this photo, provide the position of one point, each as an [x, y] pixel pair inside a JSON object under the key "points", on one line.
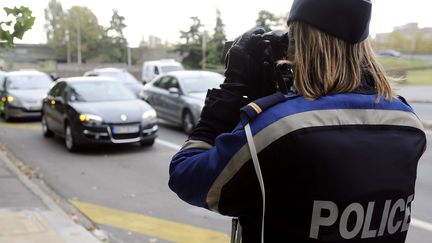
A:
{"points": [[125, 136]]}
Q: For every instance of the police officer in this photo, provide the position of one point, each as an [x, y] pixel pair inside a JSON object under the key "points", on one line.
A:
{"points": [[337, 160]]}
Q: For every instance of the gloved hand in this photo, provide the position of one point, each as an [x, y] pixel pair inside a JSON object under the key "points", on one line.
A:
{"points": [[244, 62], [244, 77]]}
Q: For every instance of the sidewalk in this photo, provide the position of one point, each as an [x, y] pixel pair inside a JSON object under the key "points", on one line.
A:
{"points": [[28, 215]]}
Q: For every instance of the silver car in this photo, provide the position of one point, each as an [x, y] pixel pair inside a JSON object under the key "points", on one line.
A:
{"points": [[179, 96], [119, 74], [22, 93]]}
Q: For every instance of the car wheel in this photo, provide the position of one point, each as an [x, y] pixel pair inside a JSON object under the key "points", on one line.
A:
{"points": [[69, 139], [45, 130], [146, 143], [187, 122]]}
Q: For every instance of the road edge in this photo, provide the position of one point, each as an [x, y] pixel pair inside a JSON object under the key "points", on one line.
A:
{"points": [[56, 203]]}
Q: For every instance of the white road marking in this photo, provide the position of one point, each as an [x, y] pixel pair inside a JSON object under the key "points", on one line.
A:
{"points": [[168, 144], [421, 224]]}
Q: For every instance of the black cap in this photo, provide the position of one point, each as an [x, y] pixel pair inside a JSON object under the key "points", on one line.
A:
{"points": [[345, 19]]}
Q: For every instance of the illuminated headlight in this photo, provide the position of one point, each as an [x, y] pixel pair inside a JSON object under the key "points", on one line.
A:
{"points": [[89, 118], [150, 114], [11, 100]]}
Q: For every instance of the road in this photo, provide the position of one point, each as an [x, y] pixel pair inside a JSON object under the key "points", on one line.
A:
{"points": [[124, 188]]}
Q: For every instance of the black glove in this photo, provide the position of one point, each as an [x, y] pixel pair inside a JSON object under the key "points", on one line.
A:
{"points": [[245, 63], [244, 78]]}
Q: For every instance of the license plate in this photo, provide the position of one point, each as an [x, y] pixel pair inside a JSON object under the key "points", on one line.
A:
{"points": [[125, 129], [34, 108]]}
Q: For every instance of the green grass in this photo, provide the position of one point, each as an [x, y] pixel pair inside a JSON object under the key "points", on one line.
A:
{"points": [[419, 77], [390, 63]]}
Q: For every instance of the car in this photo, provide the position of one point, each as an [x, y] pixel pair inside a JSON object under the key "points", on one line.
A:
{"points": [[179, 96], [97, 110], [119, 74], [22, 93], [152, 69], [390, 53]]}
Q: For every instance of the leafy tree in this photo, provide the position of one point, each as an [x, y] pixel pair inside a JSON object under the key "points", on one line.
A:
{"points": [[90, 31], [216, 44], [191, 48], [15, 27], [55, 28], [114, 44], [266, 20], [270, 21]]}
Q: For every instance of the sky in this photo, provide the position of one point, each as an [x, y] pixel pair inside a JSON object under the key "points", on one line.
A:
{"points": [[165, 18]]}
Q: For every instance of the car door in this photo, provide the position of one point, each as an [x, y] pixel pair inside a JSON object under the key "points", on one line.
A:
{"points": [[174, 101], [158, 94], [55, 107]]}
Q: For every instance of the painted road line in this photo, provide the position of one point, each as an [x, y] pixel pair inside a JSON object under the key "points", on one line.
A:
{"points": [[421, 224], [168, 144], [35, 127], [150, 226]]}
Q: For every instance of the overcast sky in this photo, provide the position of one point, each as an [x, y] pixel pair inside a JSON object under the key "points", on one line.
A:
{"points": [[165, 18]]}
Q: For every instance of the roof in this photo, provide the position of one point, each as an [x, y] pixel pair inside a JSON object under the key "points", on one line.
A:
{"points": [[108, 69], [191, 73], [25, 72], [87, 79]]}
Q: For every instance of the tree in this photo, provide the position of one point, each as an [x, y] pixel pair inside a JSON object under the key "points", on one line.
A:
{"points": [[270, 21], [216, 44], [15, 27], [191, 48], [91, 32], [114, 44], [55, 28]]}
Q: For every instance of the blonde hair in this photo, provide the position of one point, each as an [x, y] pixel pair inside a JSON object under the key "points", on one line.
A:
{"points": [[324, 64]]}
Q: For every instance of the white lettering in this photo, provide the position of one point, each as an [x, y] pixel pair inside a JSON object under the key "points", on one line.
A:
{"points": [[405, 224], [343, 226], [318, 220], [391, 226], [354, 219], [367, 233], [384, 217]]}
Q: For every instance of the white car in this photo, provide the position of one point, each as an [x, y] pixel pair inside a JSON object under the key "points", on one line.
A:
{"points": [[151, 69]]}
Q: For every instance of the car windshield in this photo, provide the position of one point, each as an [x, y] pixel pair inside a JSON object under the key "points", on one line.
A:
{"points": [[38, 81], [121, 76], [99, 91], [201, 83], [166, 69]]}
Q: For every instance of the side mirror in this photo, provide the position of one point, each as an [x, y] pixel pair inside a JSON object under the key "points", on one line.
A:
{"points": [[174, 91]]}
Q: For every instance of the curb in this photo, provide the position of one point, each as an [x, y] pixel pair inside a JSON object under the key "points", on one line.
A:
{"points": [[34, 182]]}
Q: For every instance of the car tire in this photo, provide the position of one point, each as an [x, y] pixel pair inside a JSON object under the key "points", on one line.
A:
{"points": [[70, 142], [147, 143], [45, 129], [187, 122]]}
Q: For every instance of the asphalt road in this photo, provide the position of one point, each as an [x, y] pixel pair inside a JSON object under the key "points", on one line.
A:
{"points": [[130, 184]]}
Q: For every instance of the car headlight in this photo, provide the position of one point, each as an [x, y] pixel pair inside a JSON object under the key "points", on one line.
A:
{"points": [[11, 100], [89, 118], [150, 114]]}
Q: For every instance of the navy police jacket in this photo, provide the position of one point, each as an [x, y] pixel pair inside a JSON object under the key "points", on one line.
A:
{"points": [[341, 168]]}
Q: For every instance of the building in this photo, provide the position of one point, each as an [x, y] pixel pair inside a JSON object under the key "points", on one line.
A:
{"points": [[37, 56]]}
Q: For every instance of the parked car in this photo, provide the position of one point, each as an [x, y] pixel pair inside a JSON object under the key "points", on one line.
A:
{"points": [[22, 93], [151, 69], [390, 53], [119, 74], [97, 110], [179, 96]]}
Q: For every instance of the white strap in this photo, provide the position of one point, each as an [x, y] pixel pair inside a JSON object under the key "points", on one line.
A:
{"points": [[257, 167]]}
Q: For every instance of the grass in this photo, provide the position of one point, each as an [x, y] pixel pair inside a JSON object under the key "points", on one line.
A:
{"points": [[391, 63], [419, 77]]}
